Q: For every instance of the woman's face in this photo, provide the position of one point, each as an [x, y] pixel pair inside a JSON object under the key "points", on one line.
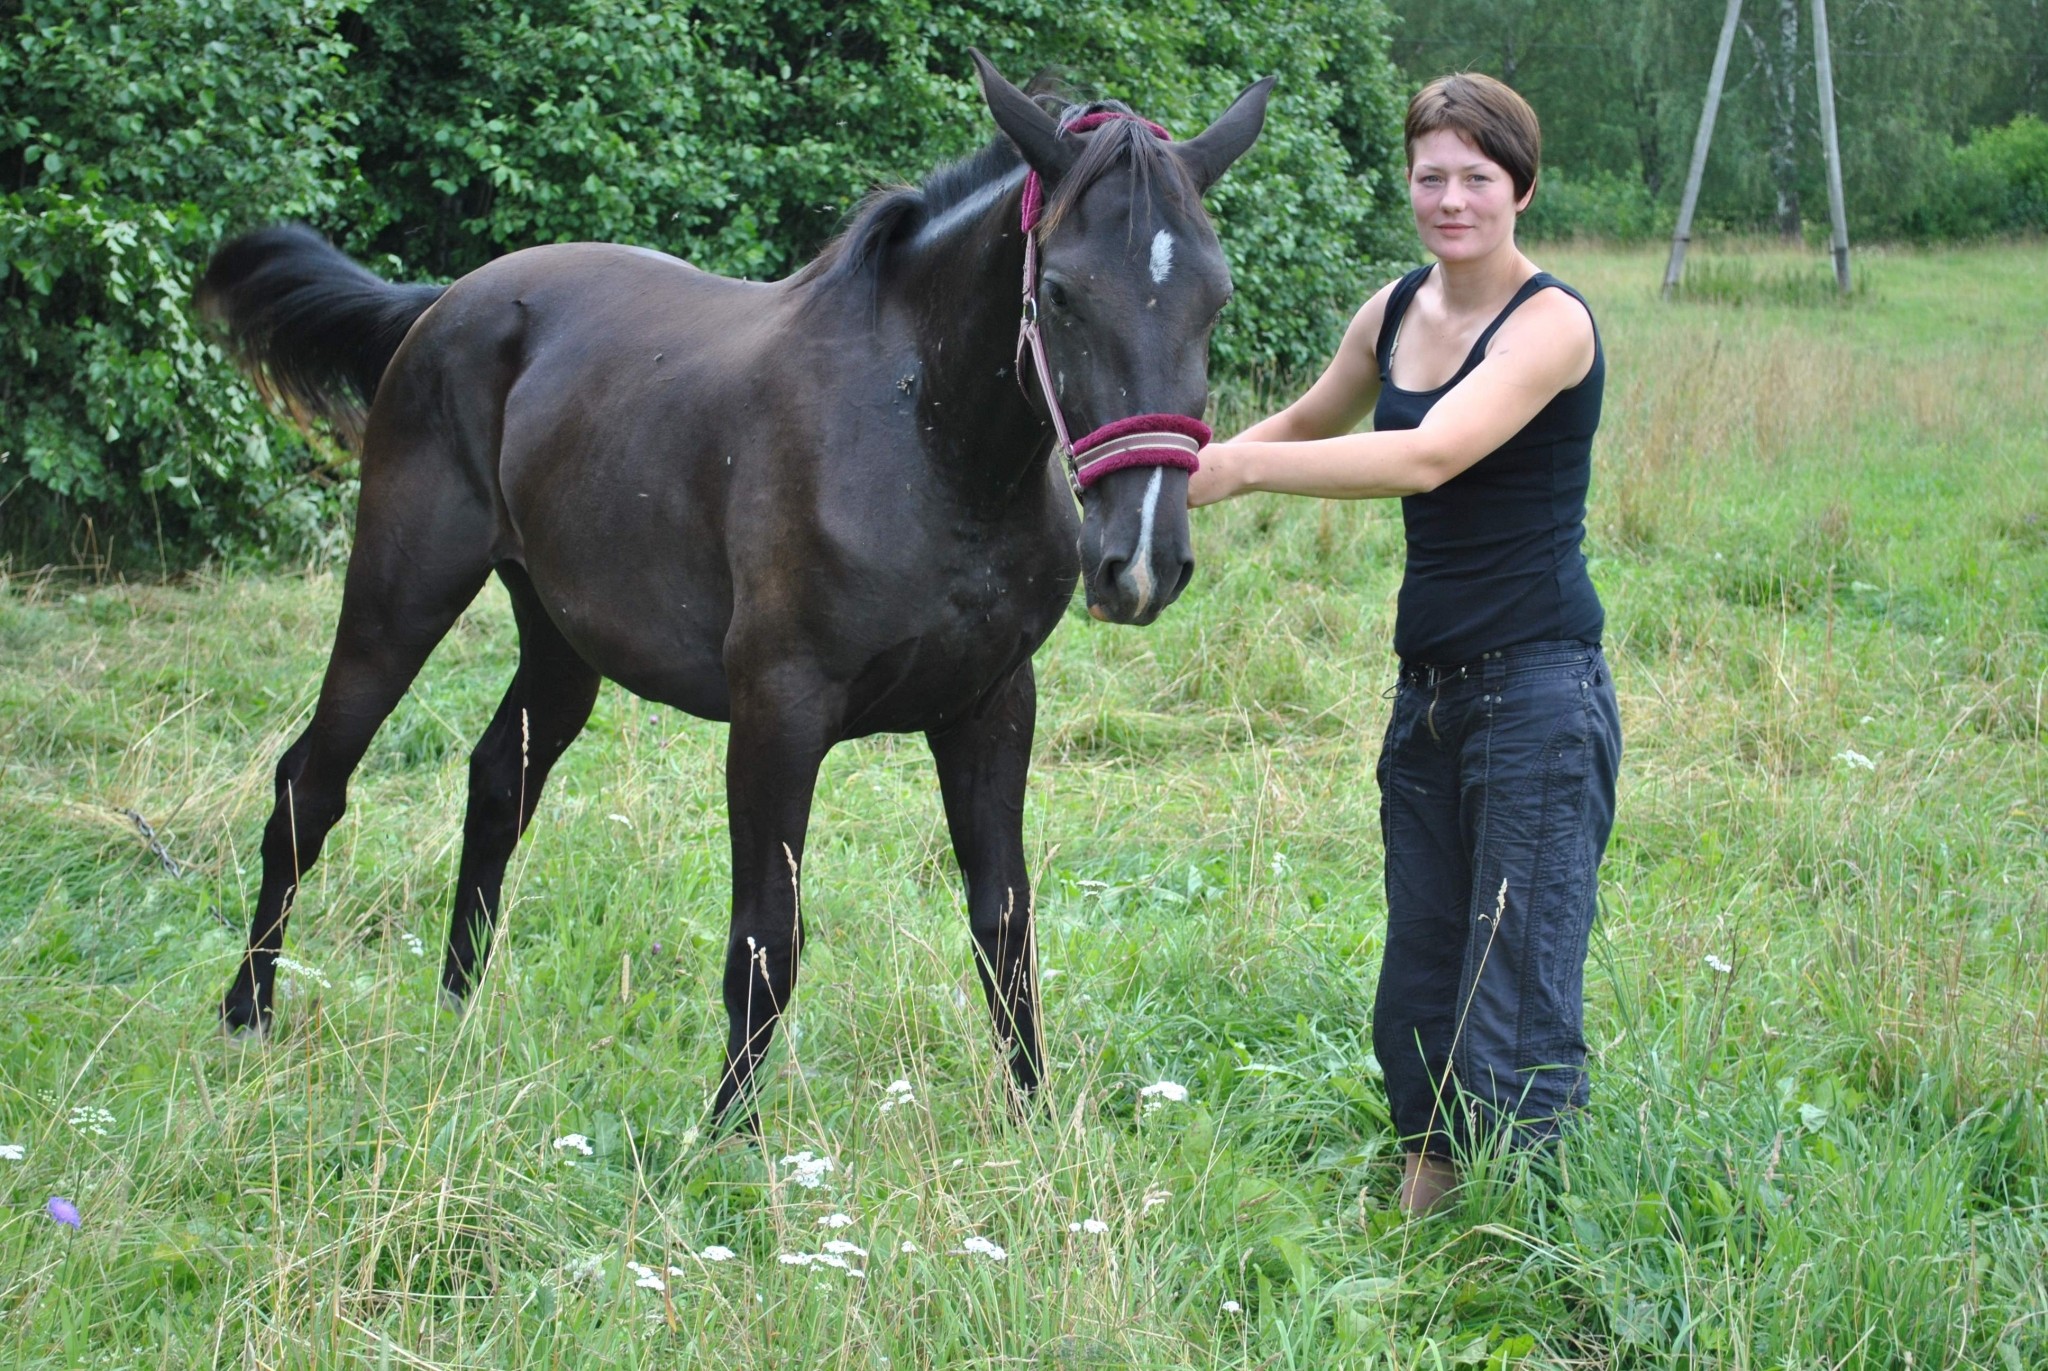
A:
{"points": [[1464, 201]]}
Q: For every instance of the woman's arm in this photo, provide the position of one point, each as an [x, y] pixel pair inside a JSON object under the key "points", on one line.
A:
{"points": [[1546, 346], [1343, 395]]}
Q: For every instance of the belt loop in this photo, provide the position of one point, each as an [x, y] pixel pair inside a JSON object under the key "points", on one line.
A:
{"points": [[1493, 671]]}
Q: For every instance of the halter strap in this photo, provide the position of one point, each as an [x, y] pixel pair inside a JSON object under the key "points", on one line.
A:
{"points": [[1154, 440]]}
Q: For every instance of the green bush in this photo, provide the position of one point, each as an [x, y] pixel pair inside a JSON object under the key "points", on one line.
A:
{"points": [[739, 138], [428, 136], [132, 142], [1597, 205], [1996, 183]]}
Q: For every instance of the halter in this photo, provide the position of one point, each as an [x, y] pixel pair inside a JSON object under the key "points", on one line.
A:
{"points": [[1143, 440]]}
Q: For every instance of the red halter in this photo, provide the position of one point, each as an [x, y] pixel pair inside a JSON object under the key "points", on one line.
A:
{"points": [[1144, 440]]}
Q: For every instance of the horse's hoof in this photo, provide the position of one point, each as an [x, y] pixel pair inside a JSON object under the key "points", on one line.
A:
{"points": [[244, 1023]]}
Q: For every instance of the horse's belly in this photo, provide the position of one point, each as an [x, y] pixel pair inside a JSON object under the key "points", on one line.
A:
{"points": [[659, 638]]}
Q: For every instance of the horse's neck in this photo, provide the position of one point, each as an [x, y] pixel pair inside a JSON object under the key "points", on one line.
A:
{"points": [[964, 297]]}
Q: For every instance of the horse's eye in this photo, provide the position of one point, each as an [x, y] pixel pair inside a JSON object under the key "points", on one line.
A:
{"points": [[1057, 294]]}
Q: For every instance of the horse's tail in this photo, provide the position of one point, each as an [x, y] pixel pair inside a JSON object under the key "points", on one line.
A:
{"points": [[312, 329]]}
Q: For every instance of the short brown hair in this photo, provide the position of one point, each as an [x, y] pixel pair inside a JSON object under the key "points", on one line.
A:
{"points": [[1487, 114]]}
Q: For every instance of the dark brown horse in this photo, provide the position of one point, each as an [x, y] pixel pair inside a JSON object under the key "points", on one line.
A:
{"points": [[818, 508]]}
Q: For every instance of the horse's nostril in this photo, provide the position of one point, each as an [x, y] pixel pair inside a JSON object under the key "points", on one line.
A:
{"points": [[1187, 573]]}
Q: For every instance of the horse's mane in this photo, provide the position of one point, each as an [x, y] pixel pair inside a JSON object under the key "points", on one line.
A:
{"points": [[895, 214]]}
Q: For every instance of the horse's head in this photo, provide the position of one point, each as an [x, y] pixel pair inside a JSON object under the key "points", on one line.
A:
{"points": [[1129, 281]]}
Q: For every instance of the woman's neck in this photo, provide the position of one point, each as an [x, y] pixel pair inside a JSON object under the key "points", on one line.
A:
{"points": [[1480, 285]]}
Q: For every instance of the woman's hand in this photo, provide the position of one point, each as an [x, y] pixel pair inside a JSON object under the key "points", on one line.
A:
{"points": [[1219, 477]]}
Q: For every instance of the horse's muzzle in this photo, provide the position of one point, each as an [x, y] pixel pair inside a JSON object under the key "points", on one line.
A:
{"points": [[1137, 590]]}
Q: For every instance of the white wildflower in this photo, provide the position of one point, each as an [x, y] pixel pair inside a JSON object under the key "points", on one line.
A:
{"points": [[983, 1247], [13, 1152], [1088, 1226], [292, 967], [1716, 964], [648, 1277], [795, 1258], [810, 1171], [87, 1118], [898, 1092], [583, 1268], [1856, 760], [1162, 1094], [715, 1253], [414, 945], [908, 1246], [840, 1247], [1232, 1307], [836, 1221], [574, 1142], [620, 819]]}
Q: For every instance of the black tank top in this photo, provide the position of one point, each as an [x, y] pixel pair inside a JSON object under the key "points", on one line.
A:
{"points": [[1493, 553]]}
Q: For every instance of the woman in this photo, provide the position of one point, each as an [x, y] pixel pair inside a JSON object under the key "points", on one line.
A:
{"points": [[1483, 376]]}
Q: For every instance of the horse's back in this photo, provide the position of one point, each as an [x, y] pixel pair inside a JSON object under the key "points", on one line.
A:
{"points": [[592, 393]]}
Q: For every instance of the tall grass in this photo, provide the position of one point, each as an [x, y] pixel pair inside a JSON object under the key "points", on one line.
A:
{"points": [[1819, 533]]}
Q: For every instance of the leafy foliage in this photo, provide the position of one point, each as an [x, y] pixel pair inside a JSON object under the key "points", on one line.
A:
{"points": [[1996, 183], [131, 142], [1597, 204], [428, 136]]}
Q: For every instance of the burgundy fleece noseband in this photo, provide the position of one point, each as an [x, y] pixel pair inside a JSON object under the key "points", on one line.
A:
{"points": [[1143, 440]]}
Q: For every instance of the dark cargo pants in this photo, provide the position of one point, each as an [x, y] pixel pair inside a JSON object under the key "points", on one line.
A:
{"points": [[1496, 798]]}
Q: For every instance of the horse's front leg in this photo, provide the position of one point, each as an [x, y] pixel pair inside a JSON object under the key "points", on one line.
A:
{"points": [[983, 761], [779, 737]]}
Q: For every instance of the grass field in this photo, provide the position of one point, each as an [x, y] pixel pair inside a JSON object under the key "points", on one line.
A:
{"points": [[1819, 1131]]}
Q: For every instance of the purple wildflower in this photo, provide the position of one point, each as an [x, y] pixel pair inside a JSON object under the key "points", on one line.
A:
{"points": [[64, 1212]]}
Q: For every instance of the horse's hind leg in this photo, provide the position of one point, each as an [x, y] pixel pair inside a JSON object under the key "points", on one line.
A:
{"points": [[543, 710], [421, 553], [982, 764]]}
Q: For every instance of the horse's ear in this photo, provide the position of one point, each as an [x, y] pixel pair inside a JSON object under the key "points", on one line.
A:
{"points": [[1209, 153], [1033, 131]]}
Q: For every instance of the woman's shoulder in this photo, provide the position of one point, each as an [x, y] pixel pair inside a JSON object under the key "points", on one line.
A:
{"points": [[1554, 328], [1553, 311]]}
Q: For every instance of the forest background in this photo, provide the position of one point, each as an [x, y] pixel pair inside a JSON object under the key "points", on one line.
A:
{"points": [[428, 136]]}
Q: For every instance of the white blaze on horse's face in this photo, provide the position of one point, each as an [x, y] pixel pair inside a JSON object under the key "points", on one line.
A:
{"points": [[1140, 568], [1162, 257]]}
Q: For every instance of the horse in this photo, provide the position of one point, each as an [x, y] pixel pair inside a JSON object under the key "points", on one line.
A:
{"points": [[816, 509]]}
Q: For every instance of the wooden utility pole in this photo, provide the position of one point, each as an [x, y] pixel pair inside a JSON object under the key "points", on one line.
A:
{"points": [[1705, 137], [1824, 74]]}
